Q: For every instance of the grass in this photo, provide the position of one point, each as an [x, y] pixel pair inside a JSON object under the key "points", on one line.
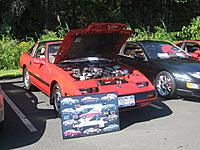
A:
{"points": [[10, 73]]}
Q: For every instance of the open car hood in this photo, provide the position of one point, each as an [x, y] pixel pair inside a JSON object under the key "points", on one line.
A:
{"points": [[97, 40]]}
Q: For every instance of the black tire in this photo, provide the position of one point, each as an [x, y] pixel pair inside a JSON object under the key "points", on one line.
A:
{"points": [[55, 95], [26, 79], [165, 85]]}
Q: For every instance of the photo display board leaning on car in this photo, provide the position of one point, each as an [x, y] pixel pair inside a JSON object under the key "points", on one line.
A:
{"points": [[89, 115], [85, 62], [173, 72]]}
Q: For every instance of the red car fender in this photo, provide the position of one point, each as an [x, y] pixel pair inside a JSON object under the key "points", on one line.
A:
{"points": [[64, 80]]}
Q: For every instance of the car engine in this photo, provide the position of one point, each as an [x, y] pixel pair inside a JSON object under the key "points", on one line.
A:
{"points": [[95, 72]]}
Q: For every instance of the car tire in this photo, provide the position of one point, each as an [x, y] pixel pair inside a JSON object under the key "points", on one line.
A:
{"points": [[165, 85], [26, 79], [56, 94]]}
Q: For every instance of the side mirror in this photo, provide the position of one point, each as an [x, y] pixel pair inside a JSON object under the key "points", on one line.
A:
{"points": [[40, 61]]}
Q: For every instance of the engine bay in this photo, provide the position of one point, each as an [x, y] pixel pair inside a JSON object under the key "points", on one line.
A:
{"points": [[86, 71]]}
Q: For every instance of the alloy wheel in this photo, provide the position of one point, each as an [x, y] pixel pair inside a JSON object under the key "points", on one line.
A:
{"points": [[164, 85]]}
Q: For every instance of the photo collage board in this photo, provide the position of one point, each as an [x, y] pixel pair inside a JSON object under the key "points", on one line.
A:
{"points": [[89, 115]]}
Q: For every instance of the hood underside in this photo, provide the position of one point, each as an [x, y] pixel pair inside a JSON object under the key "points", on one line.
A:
{"points": [[97, 40]]}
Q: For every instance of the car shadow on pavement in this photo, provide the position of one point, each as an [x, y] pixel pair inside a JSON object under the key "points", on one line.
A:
{"points": [[14, 133], [185, 98], [157, 110], [192, 99]]}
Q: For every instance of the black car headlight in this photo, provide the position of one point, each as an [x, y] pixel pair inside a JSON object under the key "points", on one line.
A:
{"points": [[191, 85]]}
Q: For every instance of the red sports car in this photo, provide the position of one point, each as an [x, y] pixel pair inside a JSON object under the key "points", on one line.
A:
{"points": [[85, 62], [191, 46]]}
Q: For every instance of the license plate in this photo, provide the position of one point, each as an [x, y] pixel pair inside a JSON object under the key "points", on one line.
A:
{"points": [[126, 101]]}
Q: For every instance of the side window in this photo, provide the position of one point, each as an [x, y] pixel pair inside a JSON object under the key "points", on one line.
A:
{"points": [[180, 45], [191, 47], [40, 51], [133, 50], [52, 52]]}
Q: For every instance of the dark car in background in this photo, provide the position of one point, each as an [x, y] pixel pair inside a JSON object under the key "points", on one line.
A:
{"points": [[171, 70], [191, 46]]}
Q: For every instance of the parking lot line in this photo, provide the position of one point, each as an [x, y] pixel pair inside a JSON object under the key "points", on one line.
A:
{"points": [[155, 106], [22, 117]]}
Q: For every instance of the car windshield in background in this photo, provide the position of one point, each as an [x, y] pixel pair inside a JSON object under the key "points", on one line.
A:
{"points": [[162, 50]]}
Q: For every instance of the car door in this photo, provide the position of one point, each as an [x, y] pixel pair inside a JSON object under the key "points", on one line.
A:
{"points": [[40, 68]]}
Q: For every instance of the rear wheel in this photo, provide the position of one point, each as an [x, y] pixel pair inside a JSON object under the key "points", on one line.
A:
{"points": [[26, 79], [165, 85], [56, 94]]}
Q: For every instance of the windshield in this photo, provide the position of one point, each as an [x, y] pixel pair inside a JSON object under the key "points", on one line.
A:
{"points": [[162, 50]]}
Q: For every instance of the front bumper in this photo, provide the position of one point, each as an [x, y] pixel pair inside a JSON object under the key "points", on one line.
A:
{"points": [[188, 88], [141, 100]]}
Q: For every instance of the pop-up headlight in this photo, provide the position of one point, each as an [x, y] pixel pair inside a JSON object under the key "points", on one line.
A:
{"points": [[142, 84], [89, 90]]}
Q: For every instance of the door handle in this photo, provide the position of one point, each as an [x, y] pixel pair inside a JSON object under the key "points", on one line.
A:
{"points": [[30, 63]]}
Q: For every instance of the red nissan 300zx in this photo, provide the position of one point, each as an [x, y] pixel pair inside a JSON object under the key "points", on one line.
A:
{"points": [[85, 62]]}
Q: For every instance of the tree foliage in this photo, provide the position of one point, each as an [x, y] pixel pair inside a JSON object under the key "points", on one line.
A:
{"points": [[33, 17], [50, 19]]}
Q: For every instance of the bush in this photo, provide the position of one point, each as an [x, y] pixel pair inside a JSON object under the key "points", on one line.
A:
{"points": [[192, 31], [188, 32], [159, 34], [49, 35], [11, 50], [9, 53]]}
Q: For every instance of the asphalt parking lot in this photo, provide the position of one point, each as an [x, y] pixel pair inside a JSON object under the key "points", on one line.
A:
{"points": [[30, 123]]}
